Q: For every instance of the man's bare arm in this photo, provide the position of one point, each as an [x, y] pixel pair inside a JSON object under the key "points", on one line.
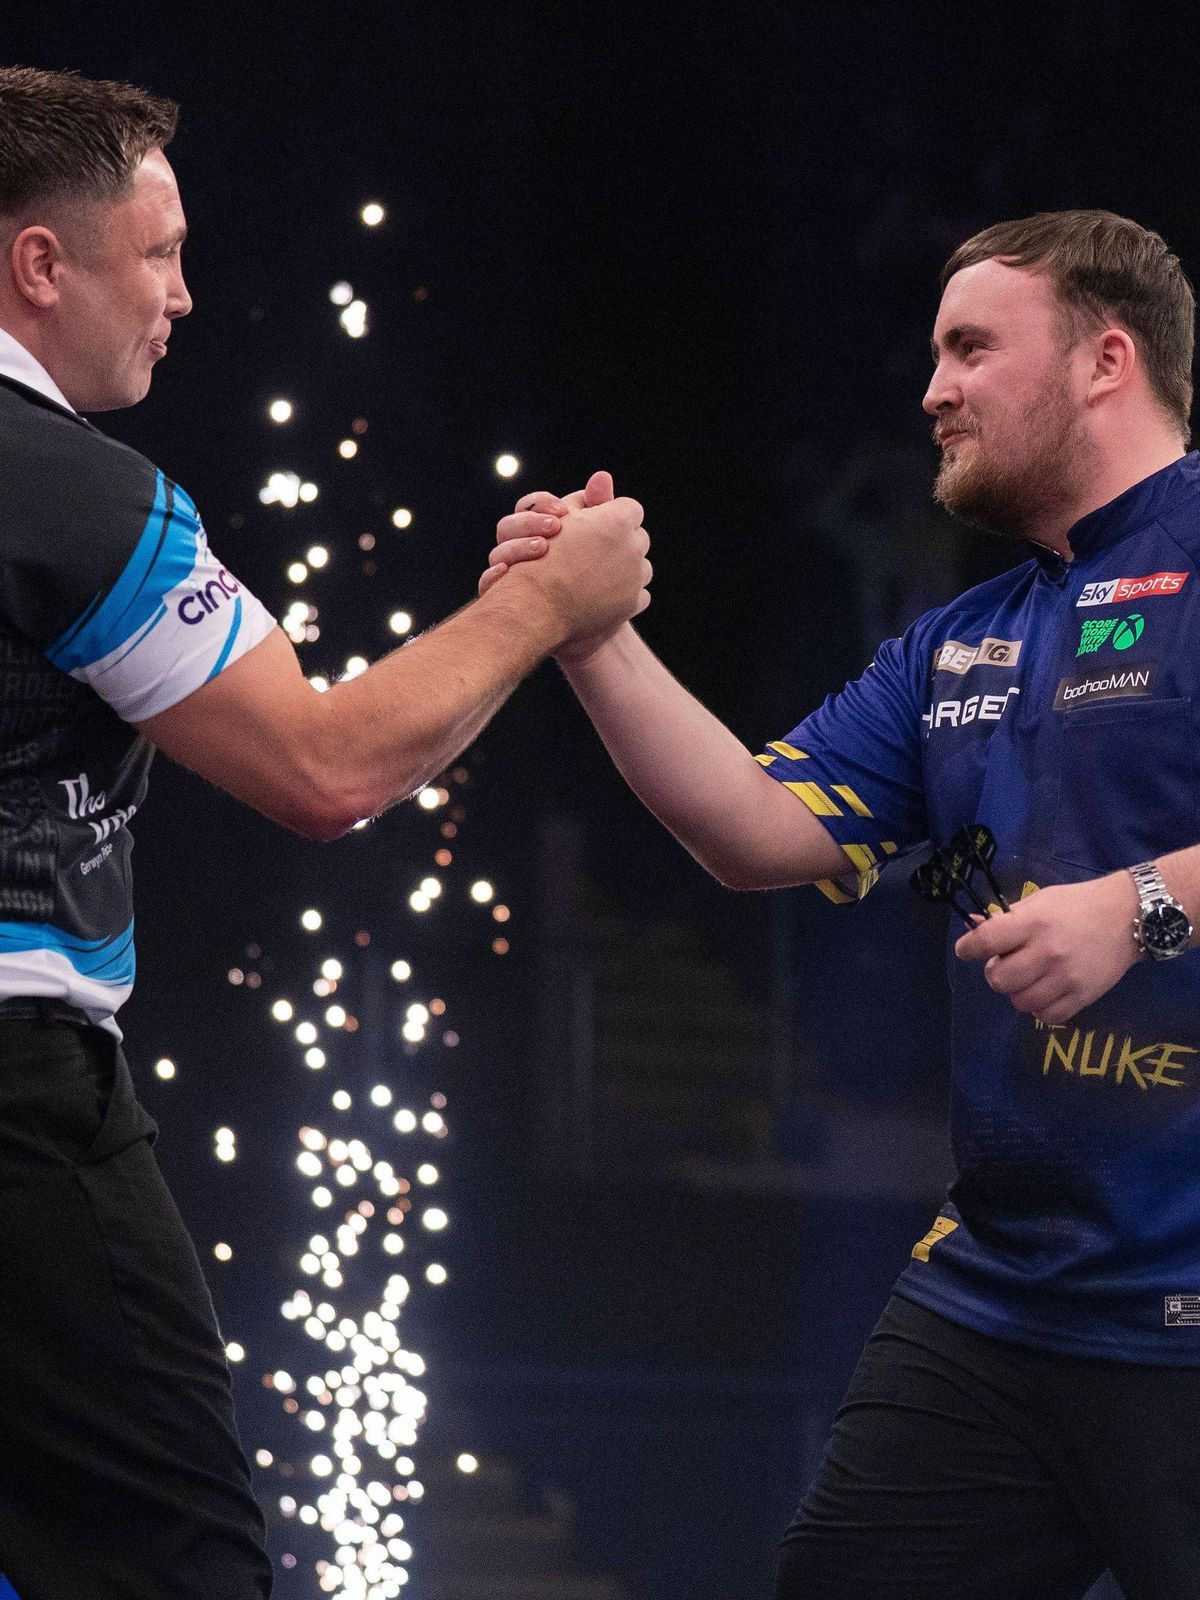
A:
{"points": [[319, 762], [681, 761], [694, 775]]}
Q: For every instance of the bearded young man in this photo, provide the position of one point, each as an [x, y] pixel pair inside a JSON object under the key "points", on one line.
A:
{"points": [[121, 1474], [1023, 1416]]}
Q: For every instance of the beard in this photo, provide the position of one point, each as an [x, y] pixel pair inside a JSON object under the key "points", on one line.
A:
{"points": [[1027, 470]]}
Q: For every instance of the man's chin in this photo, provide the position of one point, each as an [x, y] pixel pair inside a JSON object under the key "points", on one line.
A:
{"points": [[952, 488], [112, 398], [964, 494]]}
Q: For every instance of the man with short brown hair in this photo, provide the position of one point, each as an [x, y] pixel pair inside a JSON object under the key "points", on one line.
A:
{"points": [[121, 1476], [1023, 1415]]}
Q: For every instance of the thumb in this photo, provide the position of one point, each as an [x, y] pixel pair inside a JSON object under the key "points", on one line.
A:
{"points": [[599, 489]]}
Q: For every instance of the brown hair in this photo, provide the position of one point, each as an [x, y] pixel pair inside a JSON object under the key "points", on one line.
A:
{"points": [[68, 138], [1106, 269]]}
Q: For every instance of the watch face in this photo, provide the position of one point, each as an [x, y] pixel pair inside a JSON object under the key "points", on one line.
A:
{"points": [[1165, 929]]}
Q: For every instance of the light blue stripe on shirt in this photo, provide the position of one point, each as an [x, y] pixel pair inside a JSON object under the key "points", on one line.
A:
{"points": [[109, 960], [163, 557]]}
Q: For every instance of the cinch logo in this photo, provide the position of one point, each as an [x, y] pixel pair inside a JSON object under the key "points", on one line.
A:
{"points": [[1125, 631], [978, 707], [195, 607], [1089, 686], [1116, 591], [955, 657]]}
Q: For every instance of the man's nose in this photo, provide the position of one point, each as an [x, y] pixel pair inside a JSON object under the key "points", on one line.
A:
{"points": [[942, 394], [179, 301]]}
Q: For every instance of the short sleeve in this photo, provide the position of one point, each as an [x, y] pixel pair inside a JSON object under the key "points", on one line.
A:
{"points": [[167, 616], [856, 764]]}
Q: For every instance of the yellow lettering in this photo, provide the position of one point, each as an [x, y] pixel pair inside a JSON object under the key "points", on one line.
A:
{"points": [[1152, 1064], [1128, 1061], [1086, 1071], [1054, 1048], [1163, 1064]]}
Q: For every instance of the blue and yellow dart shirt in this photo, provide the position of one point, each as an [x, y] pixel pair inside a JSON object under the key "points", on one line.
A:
{"points": [[1058, 704]]}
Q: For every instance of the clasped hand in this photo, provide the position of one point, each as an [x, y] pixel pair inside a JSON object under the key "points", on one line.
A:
{"points": [[526, 533]]}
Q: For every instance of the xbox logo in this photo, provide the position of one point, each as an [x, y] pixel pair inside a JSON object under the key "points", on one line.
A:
{"points": [[1128, 631], [1119, 632]]}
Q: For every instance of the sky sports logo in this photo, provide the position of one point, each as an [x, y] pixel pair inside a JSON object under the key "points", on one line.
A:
{"points": [[1116, 591], [1088, 687]]}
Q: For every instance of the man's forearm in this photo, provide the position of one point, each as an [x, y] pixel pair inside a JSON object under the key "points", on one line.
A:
{"points": [[388, 731], [319, 762], [694, 775]]}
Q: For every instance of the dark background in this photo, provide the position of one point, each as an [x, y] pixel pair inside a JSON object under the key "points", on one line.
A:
{"points": [[693, 1134]]}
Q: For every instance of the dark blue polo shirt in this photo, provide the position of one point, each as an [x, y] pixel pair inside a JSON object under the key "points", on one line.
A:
{"points": [[1058, 704]]}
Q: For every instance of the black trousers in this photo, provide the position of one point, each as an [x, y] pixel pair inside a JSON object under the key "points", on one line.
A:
{"points": [[962, 1467], [121, 1474]]}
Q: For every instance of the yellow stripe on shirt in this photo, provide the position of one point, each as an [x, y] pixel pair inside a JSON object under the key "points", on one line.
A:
{"points": [[815, 798], [856, 805]]}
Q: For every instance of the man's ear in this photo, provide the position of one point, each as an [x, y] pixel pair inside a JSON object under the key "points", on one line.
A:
{"points": [[1116, 360], [36, 258]]}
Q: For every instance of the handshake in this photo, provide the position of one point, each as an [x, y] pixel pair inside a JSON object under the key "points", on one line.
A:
{"points": [[594, 579]]}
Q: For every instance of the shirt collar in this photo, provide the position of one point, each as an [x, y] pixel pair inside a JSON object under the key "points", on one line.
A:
{"points": [[1139, 506], [17, 363]]}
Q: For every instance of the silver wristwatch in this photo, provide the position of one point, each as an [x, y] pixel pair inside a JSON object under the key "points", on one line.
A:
{"points": [[1161, 929]]}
